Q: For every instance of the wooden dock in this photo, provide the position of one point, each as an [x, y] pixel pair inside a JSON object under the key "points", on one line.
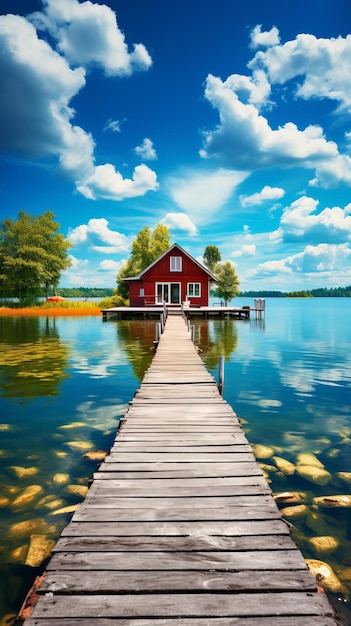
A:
{"points": [[179, 526], [205, 312]]}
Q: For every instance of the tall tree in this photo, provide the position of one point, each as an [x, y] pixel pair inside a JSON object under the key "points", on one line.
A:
{"points": [[211, 257], [147, 246], [228, 282], [32, 254]]}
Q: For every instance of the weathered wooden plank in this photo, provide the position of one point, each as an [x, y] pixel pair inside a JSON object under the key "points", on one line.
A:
{"points": [[101, 543], [161, 486], [273, 620], [128, 582], [91, 514], [204, 457], [146, 447], [262, 560], [103, 500], [220, 495], [176, 462], [237, 528], [182, 605], [177, 470]]}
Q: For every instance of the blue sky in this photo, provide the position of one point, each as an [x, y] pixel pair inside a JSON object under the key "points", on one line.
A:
{"points": [[228, 121]]}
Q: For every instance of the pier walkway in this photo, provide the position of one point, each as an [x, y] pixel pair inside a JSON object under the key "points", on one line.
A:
{"points": [[179, 526]]}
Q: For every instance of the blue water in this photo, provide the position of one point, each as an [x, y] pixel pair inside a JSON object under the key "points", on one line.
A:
{"points": [[65, 382]]}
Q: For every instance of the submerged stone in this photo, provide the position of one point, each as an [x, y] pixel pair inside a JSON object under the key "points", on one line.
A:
{"points": [[39, 549], [79, 445], [262, 452], [76, 490], [284, 466], [95, 455], [24, 472], [60, 479], [339, 501], [314, 474], [308, 458], [28, 495], [316, 522], [294, 513], [325, 576], [290, 497], [73, 425], [324, 545], [345, 477], [18, 555]]}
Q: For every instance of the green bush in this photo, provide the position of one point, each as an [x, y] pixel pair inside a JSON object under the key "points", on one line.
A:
{"points": [[113, 301]]}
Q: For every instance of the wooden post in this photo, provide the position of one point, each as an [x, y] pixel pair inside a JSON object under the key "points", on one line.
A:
{"points": [[188, 323], [162, 322], [221, 374], [158, 331], [192, 330]]}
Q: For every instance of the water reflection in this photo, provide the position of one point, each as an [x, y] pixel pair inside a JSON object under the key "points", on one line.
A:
{"points": [[32, 359], [217, 339], [137, 339]]}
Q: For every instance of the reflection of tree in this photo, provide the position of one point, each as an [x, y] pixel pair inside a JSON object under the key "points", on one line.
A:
{"points": [[32, 357], [137, 338], [216, 338]]}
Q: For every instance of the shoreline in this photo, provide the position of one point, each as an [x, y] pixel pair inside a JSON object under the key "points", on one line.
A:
{"points": [[49, 311]]}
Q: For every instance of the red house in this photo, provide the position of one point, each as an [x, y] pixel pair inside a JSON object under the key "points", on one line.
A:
{"points": [[174, 277]]}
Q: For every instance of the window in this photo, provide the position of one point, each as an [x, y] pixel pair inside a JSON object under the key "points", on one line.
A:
{"points": [[141, 291], [176, 263], [194, 290]]}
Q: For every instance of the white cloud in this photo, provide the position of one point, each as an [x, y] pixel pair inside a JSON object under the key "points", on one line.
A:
{"points": [[264, 39], [266, 194], [111, 266], [146, 151], [244, 139], [105, 182], [246, 250], [202, 193], [88, 34], [36, 119], [325, 65], [180, 221], [301, 222], [320, 259], [97, 235], [113, 125]]}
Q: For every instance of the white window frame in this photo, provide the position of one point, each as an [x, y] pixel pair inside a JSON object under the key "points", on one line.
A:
{"points": [[194, 294], [175, 264]]}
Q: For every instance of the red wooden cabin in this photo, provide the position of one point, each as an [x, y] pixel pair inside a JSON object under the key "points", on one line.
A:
{"points": [[174, 277]]}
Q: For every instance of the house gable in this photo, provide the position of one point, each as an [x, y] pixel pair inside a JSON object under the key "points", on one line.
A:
{"points": [[174, 277]]}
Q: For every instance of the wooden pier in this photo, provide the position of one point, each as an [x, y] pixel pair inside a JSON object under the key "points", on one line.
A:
{"points": [[179, 527], [205, 312]]}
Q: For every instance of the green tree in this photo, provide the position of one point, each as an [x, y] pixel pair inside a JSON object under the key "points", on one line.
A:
{"points": [[32, 254], [228, 282], [212, 257], [146, 248]]}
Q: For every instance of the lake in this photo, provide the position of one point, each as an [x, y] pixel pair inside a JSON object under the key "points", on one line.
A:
{"points": [[65, 383]]}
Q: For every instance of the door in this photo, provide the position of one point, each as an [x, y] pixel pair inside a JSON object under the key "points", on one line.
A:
{"points": [[168, 293]]}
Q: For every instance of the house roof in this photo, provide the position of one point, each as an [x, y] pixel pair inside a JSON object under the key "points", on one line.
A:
{"points": [[178, 247]]}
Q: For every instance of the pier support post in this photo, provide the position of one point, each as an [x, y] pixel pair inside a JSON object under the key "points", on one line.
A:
{"points": [[158, 331], [220, 374]]}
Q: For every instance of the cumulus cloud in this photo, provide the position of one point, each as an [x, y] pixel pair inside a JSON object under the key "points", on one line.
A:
{"points": [[36, 117], [180, 221], [146, 151], [266, 194], [98, 236], [248, 249], [264, 39], [244, 137], [301, 222], [111, 266], [105, 182], [88, 34], [113, 125], [313, 259], [202, 193], [324, 65]]}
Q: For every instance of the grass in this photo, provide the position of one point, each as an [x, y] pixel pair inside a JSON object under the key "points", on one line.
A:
{"points": [[54, 308]]}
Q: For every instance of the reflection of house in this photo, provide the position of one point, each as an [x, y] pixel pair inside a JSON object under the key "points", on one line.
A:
{"points": [[173, 278]]}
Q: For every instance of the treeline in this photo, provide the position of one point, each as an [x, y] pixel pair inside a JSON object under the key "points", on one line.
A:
{"points": [[322, 292], [83, 292]]}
